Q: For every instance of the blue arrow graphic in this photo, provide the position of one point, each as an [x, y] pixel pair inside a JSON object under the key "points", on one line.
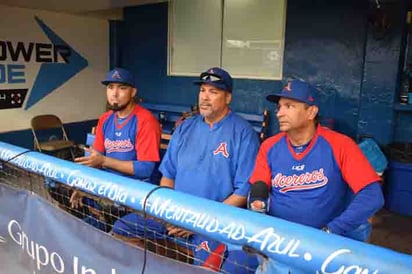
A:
{"points": [[53, 75]]}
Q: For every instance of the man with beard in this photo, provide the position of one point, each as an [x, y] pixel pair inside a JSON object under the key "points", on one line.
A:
{"points": [[210, 155], [127, 136]]}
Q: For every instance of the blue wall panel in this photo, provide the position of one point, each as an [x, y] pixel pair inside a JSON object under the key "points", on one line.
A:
{"points": [[325, 48], [381, 80], [328, 43]]}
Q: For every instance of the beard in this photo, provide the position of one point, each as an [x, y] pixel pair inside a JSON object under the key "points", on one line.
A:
{"points": [[118, 107]]}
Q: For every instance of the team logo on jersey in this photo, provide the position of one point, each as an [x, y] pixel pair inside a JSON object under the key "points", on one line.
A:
{"points": [[118, 145], [116, 75], [307, 180], [222, 148], [203, 245], [118, 134], [298, 168]]}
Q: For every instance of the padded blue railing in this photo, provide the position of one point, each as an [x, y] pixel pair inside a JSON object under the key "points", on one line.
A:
{"points": [[298, 246]]}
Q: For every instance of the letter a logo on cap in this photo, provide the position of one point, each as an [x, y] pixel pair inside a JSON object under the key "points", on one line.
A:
{"points": [[116, 75], [288, 87]]}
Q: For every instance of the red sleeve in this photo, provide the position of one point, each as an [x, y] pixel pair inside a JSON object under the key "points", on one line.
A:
{"points": [[262, 171], [99, 140], [355, 167], [147, 137]]}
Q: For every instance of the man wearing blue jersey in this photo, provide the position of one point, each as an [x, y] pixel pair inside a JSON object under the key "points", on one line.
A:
{"points": [[127, 136], [309, 169], [314, 167], [210, 155]]}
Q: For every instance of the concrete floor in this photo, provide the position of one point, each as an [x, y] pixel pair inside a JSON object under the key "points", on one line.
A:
{"points": [[392, 231]]}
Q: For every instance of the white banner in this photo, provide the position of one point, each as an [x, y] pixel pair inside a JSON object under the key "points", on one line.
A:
{"points": [[51, 63], [36, 237]]}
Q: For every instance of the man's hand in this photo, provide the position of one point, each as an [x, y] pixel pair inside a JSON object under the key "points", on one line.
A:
{"points": [[177, 231], [76, 199], [94, 159], [257, 205]]}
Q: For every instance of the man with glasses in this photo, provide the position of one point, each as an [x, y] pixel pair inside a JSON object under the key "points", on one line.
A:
{"points": [[210, 155]]}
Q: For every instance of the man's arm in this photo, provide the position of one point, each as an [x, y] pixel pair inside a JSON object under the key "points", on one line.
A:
{"points": [[125, 167], [167, 182], [140, 169], [366, 203], [171, 229], [358, 173], [245, 161], [236, 200]]}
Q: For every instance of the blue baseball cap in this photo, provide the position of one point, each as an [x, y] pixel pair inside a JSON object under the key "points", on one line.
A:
{"points": [[119, 75], [216, 77], [297, 90]]}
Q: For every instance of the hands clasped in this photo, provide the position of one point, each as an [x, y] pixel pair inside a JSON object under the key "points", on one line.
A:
{"points": [[177, 231]]}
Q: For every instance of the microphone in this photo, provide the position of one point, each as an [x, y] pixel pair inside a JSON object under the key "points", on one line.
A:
{"points": [[258, 198], [258, 201]]}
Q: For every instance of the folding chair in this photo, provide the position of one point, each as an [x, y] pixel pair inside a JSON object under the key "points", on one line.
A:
{"points": [[62, 143]]}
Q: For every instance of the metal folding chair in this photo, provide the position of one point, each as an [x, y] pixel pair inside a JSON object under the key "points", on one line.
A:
{"points": [[57, 143]]}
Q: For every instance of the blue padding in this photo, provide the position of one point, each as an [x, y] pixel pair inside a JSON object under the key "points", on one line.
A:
{"points": [[291, 244]]}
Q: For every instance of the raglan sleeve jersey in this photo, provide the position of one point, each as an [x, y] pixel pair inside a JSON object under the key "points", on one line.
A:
{"points": [[211, 162], [135, 139], [311, 187]]}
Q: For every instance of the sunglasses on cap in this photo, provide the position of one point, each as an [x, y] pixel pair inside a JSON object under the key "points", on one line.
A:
{"points": [[209, 77]]}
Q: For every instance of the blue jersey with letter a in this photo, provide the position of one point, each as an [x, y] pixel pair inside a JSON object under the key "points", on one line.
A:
{"points": [[212, 162]]}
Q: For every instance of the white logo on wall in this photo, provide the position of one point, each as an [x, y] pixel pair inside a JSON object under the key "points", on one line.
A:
{"points": [[56, 58]]}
